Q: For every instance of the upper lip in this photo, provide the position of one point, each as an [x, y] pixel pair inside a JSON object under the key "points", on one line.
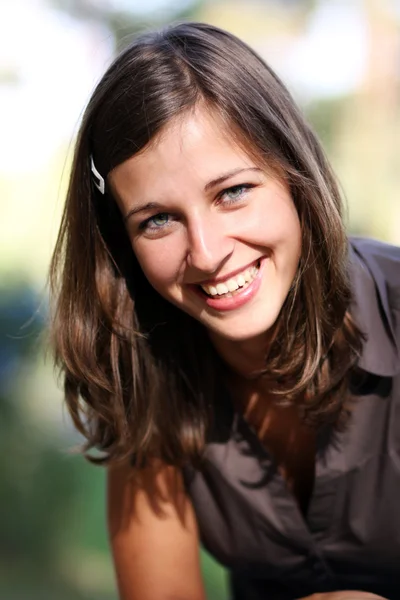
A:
{"points": [[229, 276]]}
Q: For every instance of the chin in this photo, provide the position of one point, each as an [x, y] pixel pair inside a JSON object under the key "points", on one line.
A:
{"points": [[242, 332]]}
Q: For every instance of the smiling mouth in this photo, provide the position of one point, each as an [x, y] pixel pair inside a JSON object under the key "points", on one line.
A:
{"points": [[232, 286]]}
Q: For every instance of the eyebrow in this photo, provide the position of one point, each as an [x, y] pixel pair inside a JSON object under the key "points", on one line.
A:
{"points": [[211, 184], [228, 175], [142, 208]]}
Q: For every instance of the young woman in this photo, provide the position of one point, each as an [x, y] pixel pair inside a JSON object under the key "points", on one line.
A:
{"points": [[230, 353]]}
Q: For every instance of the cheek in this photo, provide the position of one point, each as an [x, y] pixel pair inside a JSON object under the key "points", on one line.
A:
{"points": [[158, 267], [289, 244], [280, 229], [291, 232], [286, 220]]}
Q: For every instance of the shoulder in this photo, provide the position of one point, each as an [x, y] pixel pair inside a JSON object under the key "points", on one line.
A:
{"points": [[383, 263], [375, 281]]}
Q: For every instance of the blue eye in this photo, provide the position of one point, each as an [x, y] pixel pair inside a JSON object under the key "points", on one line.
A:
{"points": [[236, 192], [160, 219], [156, 222]]}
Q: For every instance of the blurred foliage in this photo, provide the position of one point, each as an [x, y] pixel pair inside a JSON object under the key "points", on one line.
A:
{"points": [[325, 115], [51, 503], [125, 23]]}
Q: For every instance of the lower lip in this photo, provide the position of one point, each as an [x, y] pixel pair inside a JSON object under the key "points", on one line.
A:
{"points": [[238, 300]]}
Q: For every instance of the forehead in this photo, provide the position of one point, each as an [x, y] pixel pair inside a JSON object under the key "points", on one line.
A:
{"points": [[197, 146]]}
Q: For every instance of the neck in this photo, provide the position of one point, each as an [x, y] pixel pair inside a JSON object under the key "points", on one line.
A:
{"points": [[245, 358]]}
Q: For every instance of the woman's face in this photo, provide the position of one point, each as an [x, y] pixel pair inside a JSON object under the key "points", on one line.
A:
{"points": [[214, 234]]}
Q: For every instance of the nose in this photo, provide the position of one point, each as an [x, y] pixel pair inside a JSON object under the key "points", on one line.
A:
{"points": [[209, 247]]}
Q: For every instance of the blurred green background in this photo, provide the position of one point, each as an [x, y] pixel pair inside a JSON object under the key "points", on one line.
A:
{"points": [[341, 61]]}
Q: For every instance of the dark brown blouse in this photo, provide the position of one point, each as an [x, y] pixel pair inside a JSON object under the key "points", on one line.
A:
{"points": [[350, 538]]}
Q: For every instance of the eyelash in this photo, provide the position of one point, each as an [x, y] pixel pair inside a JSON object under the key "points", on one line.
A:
{"points": [[145, 225]]}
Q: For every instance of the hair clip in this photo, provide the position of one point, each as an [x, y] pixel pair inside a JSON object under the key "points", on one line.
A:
{"points": [[98, 180]]}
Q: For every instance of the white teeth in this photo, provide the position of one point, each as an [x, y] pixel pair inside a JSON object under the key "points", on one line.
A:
{"points": [[232, 284], [222, 289]]}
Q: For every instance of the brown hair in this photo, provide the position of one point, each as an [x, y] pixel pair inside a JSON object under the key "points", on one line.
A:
{"points": [[132, 385]]}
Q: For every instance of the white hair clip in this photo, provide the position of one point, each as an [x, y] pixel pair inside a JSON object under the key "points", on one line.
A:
{"points": [[97, 178]]}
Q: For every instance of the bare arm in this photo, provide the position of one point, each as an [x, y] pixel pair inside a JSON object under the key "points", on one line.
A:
{"points": [[153, 535]]}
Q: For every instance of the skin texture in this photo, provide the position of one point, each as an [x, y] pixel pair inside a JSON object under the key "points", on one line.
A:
{"points": [[199, 232]]}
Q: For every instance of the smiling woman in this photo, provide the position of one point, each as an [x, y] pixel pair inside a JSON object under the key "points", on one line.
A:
{"points": [[212, 232], [230, 353]]}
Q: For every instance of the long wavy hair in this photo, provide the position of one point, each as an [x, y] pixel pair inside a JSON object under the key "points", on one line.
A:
{"points": [[141, 377]]}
